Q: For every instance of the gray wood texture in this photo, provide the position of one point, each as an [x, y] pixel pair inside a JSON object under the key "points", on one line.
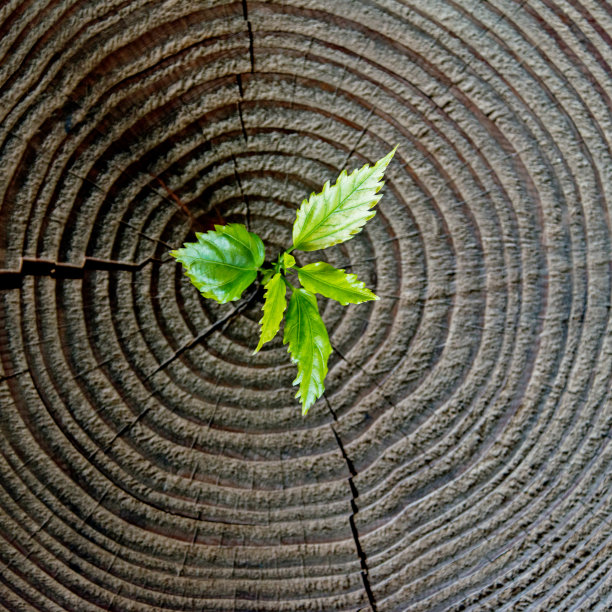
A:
{"points": [[461, 456]]}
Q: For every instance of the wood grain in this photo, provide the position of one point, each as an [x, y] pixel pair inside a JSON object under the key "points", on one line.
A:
{"points": [[460, 458]]}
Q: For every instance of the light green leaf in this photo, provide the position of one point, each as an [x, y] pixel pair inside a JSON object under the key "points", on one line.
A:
{"points": [[224, 262], [288, 261], [339, 212], [273, 308], [309, 346], [322, 278]]}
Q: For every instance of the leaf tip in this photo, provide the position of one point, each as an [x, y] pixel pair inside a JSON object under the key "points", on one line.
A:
{"points": [[307, 402], [386, 160], [259, 345]]}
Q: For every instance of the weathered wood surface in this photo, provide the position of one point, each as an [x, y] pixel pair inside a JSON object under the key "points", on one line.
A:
{"points": [[461, 457]]}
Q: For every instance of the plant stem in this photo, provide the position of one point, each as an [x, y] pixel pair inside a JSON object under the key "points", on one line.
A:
{"points": [[288, 283]]}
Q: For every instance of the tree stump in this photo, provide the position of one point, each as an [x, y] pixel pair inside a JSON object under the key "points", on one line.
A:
{"points": [[460, 458]]}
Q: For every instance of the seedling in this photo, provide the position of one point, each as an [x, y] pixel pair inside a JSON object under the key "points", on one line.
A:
{"points": [[224, 262]]}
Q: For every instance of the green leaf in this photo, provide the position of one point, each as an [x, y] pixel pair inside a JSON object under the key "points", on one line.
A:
{"points": [[273, 308], [224, 262], [288, 261], [339, 212], [322, 278], [266, 275], [309, 345]]}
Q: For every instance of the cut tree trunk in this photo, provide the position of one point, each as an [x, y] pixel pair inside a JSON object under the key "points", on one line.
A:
{"points": [[460, 457]]}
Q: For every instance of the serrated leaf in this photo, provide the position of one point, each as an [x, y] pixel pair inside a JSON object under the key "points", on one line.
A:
{"points": [[332, 283], [340, 211], [309, 345], [288, 261], [224, 262], [273, 308]]}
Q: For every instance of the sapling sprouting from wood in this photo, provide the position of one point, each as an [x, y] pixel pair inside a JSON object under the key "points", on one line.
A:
{"points": [[225, 261]]}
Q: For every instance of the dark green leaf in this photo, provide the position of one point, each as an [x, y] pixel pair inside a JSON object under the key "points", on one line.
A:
{"points": [[309, 346], [322, 278], [224, 262]]}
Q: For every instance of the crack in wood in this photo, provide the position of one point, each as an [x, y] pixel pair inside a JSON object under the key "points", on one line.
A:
{"points": [[365, 572], [362, 369], [329, 407], [359, 139], [180, 204], [240, 89], [208, 331], [245, 13], [245, 197], [14, 375], [140, 233], [244, 133], [34, 266]]}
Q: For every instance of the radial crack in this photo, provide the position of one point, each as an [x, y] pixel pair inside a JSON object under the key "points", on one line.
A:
{"points": [[207, 332], [245, 13], [245, 197], [244, 133], [365, 573], [135, 229], [179, 203], [362, 369], [34, 266], [358, 141]]}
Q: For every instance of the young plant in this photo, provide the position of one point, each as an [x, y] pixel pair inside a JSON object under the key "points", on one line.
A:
{"points": [[224, 262]]}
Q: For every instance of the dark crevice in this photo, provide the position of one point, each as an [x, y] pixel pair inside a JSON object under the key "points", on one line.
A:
{"points": [[368, 590], [13, 375], [359, 139], [32, 266], [135, 229], [251, 51], [244, 134], [179, 203], [362, 369], [365, 573], [245, 197], [239, 81], [300, 72], [119, 433], [329, 406], [167, 194], [246, 139], [85, 519], [208, 331], [123, 430], [245, 14], [349, 463]]}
